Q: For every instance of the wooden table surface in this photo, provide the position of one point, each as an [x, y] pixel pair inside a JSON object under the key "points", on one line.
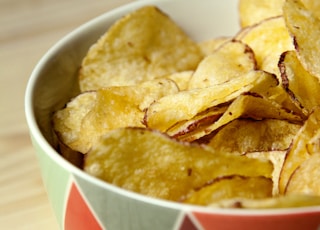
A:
{"points": [[28, 28]]}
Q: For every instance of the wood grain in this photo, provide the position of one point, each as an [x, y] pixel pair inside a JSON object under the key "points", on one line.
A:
{"points": [[28, 28]]}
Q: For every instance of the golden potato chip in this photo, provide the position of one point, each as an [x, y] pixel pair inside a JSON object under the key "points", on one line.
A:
{"points": [[202, 119], [268, 39], [93, 113], [122, 106], [67, 121], [151, 163], [230, 187], [277, 159], [298, 151], [288, 201], [181, 78], [306, 178], [284, 98], [171, 109], [313, 6], [253, 11], [303, 87], [304, 27], [232, 59], [246, 106], [313, 145], [247, 135], [210, 46], [143, 45]]}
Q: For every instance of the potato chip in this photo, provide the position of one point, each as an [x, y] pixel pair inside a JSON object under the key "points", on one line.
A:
{"points": [[247, 135], [246, 106], [184, 105], [313, 6], [151, 163], [268, 39], [253, 11], [210, 46], [141, 46], [288, 201], [230, 122], [298, 151], [277, 159], [304, 27], [202, 119], [313, 145], [92, 114], [181, 78], [306, 178], [303, 87], [67, 122], [233, 59], [224, 188]]}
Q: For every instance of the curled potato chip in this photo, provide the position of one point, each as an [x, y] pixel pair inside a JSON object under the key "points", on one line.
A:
{"points": [[247, 135], [224, 188], [171, 109], [246, 106], [306, 178], [67, 121], [231, 60], [268, 39], [304, 27], [181, 78], [298, 151], [138, 47], [202, 119], [93, 113], [151, 163], [253, 11], [303, 87], [210, 46], [277, 159]]}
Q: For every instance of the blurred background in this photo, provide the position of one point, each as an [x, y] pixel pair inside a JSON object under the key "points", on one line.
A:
{"points": [[28, 28]]}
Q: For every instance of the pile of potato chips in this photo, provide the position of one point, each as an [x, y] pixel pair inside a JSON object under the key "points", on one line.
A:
{"points": [[229, 122]]}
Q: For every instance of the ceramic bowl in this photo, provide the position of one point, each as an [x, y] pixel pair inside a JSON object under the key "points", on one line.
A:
{"points": [[81, 201]]}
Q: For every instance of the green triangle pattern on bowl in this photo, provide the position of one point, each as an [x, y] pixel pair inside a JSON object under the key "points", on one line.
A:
{"points": [[117, 211], [55, 178]]}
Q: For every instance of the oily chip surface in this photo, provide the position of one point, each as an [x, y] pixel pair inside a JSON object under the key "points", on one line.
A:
{"points": [[141, 46]]}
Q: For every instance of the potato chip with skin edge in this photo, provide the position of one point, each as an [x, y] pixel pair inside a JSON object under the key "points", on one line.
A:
{"points": [[303, 87], [253, 11], [277, 159], [246, 106], [210, 46], [248, 135], [298, 151], [137, 48], [268, 39], [304, 27], [141, 160], [305, 180], [184, 105], [230, 187], [230, 60]]}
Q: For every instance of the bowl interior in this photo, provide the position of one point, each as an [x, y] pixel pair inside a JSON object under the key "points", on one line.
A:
{"points": [[54, 80]]}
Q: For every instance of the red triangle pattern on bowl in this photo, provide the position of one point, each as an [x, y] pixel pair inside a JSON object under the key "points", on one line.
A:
{"points": [[187, 223], [293, 221], [78, 215]]}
